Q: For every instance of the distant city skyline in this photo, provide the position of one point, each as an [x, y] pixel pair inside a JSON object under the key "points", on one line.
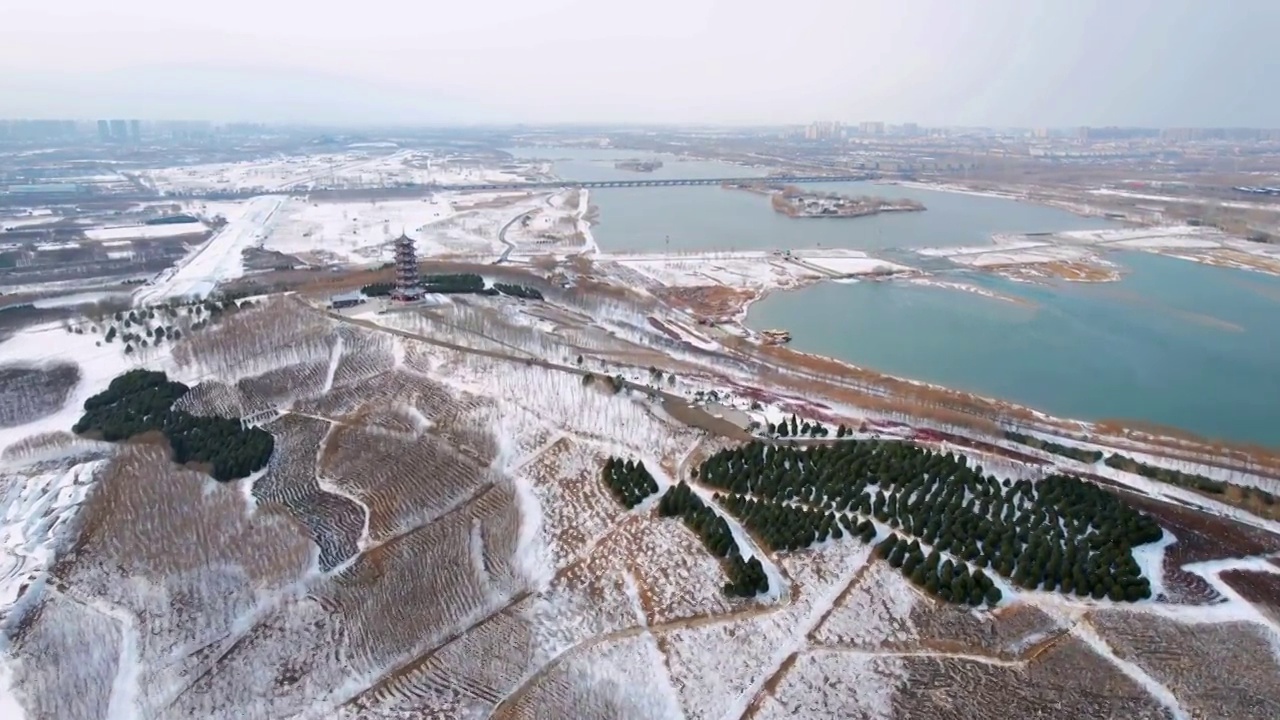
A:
{"points": [[993, 63]]}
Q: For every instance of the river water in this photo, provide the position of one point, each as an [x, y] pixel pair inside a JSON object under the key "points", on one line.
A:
{"points": [[1174, 342]]}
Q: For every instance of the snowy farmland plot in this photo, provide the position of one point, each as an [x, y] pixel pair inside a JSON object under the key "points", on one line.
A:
{"points": [[434, 534], [357, 168]]}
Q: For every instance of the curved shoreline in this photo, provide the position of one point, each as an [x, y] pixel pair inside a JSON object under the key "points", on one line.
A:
{"points": [[738, 322]]}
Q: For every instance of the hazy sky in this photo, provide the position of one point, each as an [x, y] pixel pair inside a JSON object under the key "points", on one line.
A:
{"points": [[988, 62]]}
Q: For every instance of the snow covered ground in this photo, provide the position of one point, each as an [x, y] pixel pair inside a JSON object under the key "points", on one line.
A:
{"points": [[1173, 236], [744, 269], [832, 606], [559, 227], [749, 269], [219, 258], [1273, 207], [149, 232], [351, 232], [357, 168], [1024, 254], [361, 232]]}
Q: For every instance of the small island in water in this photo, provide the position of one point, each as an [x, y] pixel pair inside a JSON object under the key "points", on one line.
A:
{"points": [[638, 165], [794, 202]]}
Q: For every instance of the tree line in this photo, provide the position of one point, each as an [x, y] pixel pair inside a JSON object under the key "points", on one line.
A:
{"points": [[1085, 456], [1059, 533], [746, 578], [1191, 481], [521, 291], [630, 482], [792, 527], [796, 429], [141, 401], [456, 284], [1244, 494], [942, 578]]}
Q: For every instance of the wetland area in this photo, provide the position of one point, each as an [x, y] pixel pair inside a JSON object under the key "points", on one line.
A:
{"points": [[1172, 343]]}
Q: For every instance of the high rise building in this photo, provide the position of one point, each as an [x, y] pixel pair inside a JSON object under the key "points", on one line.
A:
{"points": [[823, 130], [104, 131], [869, 127], [135, 131], [406, 270], [119, 130]]}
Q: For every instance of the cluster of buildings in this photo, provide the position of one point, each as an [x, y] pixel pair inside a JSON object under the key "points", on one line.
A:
{"points": [[835, 130], [21, 130], [119, 131]]}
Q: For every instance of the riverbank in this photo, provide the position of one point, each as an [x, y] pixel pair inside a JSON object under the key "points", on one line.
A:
{"points": [[1195, 243], [1105, 364]]}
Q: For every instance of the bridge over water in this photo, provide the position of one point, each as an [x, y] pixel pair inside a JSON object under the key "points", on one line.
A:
{"points": [[771, 180], [415, 190]]}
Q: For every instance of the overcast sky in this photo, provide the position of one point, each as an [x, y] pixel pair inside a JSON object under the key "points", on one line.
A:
{"points": [[936, 62]]}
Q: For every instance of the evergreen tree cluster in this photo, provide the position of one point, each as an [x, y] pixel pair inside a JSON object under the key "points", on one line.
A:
{"points": [[1186, 480], [1085, 456], [796, 429], [452, 283], [1059, 533], [141, 401], [792, 527], [942, 578], [630, 482], [457, 284], [520, 291], [746, 577]]}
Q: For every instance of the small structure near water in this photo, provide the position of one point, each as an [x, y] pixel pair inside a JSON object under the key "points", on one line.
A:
{"points": [[638, 165], [775, 337]]}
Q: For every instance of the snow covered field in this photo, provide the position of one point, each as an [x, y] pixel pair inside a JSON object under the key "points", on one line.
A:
{"points": [[148, 232], [847, 262], [353, 232], [744, 269], [359, 168], [488, 570], [1131, 195], [748, 269], [1199, 244], [1013, 254], [219, 258], [1173, 236]]}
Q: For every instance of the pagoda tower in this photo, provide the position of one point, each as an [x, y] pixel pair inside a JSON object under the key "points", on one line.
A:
{"points": [[406, 269]]}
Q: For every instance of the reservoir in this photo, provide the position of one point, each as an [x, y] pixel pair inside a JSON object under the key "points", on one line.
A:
{"points": [[1174, 343], [704, 218]]}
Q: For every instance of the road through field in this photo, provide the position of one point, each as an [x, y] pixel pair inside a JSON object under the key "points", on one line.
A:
{"points": [[218, 259]]}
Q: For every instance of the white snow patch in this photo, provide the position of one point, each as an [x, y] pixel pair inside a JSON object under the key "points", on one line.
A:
{"points": [[1150, 559], [10, 708], [219, 258], [148, 232]]}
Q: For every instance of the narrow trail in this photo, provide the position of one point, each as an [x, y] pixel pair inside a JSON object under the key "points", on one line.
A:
{"points": [[335, 356], [695, 621], [970, 657], [123, 703], [797, 642], [1161, 694], [537, 452], [502, 236], [328, 486]]}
